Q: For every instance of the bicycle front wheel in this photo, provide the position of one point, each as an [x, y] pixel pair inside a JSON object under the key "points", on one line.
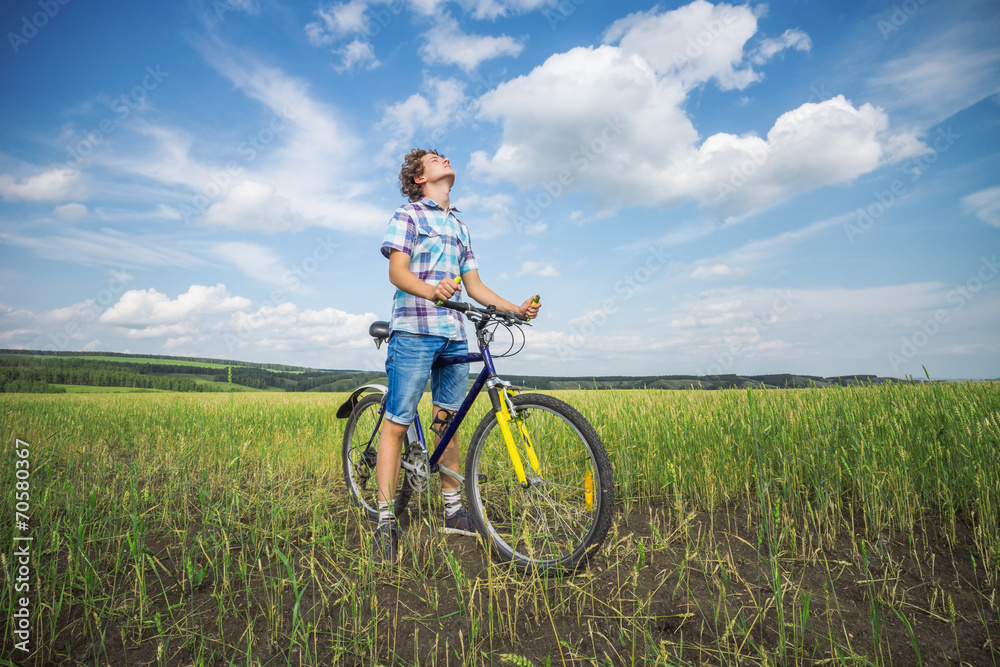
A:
{"points": [[562, 515], [361, 437]]}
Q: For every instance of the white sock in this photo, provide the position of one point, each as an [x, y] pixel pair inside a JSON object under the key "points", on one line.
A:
{"points": [[384, 513], [452, 501]]}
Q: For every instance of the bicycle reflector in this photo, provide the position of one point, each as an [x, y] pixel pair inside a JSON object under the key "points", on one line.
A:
{"points": [[588, 490]]}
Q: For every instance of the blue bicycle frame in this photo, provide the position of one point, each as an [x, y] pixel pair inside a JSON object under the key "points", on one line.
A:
{"points": [[483, 338], [487, 378], [485, 374]]}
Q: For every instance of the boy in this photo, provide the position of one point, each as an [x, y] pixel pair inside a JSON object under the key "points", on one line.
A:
{"points": [[427, 247]]}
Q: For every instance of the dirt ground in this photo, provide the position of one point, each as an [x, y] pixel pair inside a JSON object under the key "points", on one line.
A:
{"points": [[668, 587]]}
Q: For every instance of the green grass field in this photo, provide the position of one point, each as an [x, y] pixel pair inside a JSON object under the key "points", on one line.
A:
{"points": [[846, 526], [88, 389]]}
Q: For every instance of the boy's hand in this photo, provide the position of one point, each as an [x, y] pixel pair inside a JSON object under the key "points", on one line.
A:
{"points": [[530, 307], [445, 289]]}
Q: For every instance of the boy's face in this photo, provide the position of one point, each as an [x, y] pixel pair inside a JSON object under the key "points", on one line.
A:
{"points": [[436, 168]]}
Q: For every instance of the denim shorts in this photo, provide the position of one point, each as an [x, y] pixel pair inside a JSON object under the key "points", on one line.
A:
{"points": [[408, 364]]}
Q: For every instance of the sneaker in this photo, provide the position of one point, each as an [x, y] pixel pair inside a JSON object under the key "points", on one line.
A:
{"points": [[385, 545], [460, 523]]}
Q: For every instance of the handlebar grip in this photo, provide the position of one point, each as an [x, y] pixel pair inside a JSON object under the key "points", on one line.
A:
{"points": [[454, 305], [440, 302]]}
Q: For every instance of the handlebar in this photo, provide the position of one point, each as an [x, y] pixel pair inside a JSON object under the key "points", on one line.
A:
{"points": [[475, 313]]}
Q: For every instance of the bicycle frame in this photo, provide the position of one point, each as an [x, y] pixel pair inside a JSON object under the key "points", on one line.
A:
{"points": [[488, 371], [487, 378]]}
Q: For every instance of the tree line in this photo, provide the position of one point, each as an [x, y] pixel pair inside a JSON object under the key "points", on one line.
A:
{"points": [[128, 356], [21, 372], [312, 380], [24, 371], [39, 379]]}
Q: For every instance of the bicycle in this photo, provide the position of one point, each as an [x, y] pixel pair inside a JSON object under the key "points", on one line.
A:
{"points": [[538, 480]]}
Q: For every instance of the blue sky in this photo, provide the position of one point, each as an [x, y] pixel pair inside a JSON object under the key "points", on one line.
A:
{"points": [[805, 187]]}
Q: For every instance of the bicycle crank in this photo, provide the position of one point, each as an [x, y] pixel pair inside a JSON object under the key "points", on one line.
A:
{"points": [[417, 468]]}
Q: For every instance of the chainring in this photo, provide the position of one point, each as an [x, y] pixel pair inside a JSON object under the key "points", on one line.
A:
{"points": [[417, 478]]}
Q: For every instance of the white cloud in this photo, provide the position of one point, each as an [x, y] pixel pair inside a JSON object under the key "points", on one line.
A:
{"points": [[985, 205], [13, 338], [56, 184], [71, 212], [713, 271], [612, 120], [492, 9], [590, 113], [146, 308], [442, 103], [427, 7], [108, 248], [542, 269], [159, 212], [161, 154], [446, 44], [255, 206], [358, 54], [944, 59], [298, 173], [692, 44], [284, 327], [343, 21], [248, 6], [817, 144], [173, 332], [257, 261], [760, 255], [793, 38], [822, 331], [940, 82], [303, 175], [205, 321], [337, 21], [494, 215]]}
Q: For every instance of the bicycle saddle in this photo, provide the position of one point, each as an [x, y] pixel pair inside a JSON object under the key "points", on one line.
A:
{"points": [[380, 332]]}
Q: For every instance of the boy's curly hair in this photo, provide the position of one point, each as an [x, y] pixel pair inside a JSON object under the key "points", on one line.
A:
{"points": [[411, 169]]}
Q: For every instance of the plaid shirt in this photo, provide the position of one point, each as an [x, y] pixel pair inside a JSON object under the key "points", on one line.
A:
{"points": [[439, 247]]}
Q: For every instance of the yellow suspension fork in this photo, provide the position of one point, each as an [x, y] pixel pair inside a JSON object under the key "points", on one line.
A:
{"points": [[504, 419]]}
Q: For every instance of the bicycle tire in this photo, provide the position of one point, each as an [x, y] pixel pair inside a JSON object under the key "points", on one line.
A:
{"points": [[359, 469], [557, 523]]}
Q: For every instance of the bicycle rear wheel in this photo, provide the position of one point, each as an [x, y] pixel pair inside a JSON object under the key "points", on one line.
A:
{"points": [[561, 518], [359, 455]]}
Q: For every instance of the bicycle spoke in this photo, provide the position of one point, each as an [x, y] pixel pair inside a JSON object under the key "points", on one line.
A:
{"points": [[562, 513], [361, 437]]}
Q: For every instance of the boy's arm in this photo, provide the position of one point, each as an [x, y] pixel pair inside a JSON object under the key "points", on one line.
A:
{"points": [[402, 278], [478, 290]]}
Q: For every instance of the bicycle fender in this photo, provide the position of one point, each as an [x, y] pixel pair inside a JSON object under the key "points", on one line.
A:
{"points": [[344, 411]]}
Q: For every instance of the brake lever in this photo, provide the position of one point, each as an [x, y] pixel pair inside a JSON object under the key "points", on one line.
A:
{"points": [[510, 318]]}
